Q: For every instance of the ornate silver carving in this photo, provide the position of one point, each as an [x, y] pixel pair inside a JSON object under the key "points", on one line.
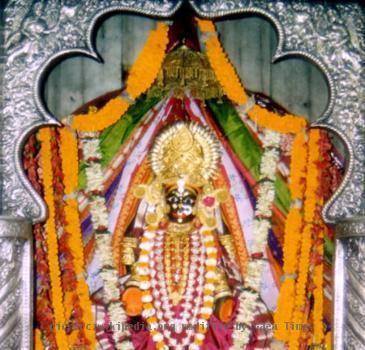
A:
{"points": [[352, 228], [36, 34], [331, 35], [16, 283], [354, 318]]}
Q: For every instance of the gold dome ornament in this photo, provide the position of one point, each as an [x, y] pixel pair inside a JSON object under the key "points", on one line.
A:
{"points": [[185, 151]]}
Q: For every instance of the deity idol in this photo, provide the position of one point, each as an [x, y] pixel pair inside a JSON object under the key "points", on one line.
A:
{"points": [[185, 281]]}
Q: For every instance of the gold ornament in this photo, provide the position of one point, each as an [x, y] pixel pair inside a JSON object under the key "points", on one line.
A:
{"points": [[129, 244], [227, 243], [222, 289], [185, 151]]}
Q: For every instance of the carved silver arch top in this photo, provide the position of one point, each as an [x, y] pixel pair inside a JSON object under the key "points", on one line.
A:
{"points": [[329, 34]]}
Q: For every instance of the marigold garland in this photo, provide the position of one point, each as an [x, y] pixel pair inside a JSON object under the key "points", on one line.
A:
{"points": [[293, 227], [38, 344], [141, 77], [224, 70], [234, 90], [52, 244], [318, 333], [318, 252], [69, 155], [148, 64], [309, 216]]}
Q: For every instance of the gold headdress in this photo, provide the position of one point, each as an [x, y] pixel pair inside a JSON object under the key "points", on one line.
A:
{"points": [[185, 151], [184, 154]]}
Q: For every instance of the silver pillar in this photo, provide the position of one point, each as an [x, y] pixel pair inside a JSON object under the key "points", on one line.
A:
{"points": [[16, 283], [349, 305]]}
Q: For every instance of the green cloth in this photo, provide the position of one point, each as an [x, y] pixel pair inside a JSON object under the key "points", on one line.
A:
{"points": [[246, 147], [113, 137]]}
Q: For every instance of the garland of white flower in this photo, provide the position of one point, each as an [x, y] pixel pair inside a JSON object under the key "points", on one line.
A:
{"points": [[156, 306], [249, 297], [99, 216]]}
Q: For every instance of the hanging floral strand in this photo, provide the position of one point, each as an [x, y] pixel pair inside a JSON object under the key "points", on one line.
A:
{"points": [[99, 216], [234, 89], [299, 316], [43, 306], [293, 229], [249, 297], [141, 77], [69, 157], [44, 137]]}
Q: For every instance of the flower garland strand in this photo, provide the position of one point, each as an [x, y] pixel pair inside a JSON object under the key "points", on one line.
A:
{"points": [[144, 268], [234, 90], [69, 156], [293, 228], [309, 217], [141, 77], [44, 137], [249, 297], [43, 306], [38, 344], [99, 216], [317, 255]]}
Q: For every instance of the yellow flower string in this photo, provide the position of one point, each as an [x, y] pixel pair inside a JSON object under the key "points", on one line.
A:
{"points": [[69, 155], [293, 228], [219, 61], [97, 120], [318, 333], [234, 90], [309, 216], [328, 340], [44, 136], [38, 344], [318, 293], [148, 64], [141, 77]]}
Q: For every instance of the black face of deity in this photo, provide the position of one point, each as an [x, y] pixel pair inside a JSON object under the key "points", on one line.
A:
{"points": [[181, 202]]}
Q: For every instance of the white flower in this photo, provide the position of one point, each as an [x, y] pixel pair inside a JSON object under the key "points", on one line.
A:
{"points": [[265, 199], [210, 274], [157, 337], [95, 178], [99, 214], [148, 313], [269, 163], [271, 139], [143, 258], [209, 286], [211, 250], [145, 245], [206, 310], [211, 262], [146, 298], [145, 285], [90, 148]]}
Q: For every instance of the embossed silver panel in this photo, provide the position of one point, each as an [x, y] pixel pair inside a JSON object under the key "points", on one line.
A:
{"points": [[16, 283]]}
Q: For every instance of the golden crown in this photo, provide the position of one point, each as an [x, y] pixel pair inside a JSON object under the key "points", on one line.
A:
{"points": [[185, 151]]}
